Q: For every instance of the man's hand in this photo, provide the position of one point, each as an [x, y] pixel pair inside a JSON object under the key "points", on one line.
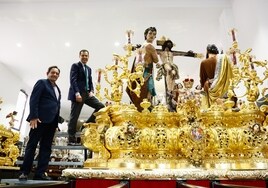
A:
{"points": [[78, 98], [33, 123], [90, 94]]}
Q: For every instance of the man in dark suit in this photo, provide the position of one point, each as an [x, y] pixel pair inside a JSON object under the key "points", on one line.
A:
{"points": [[43, 119], [81, 92]]}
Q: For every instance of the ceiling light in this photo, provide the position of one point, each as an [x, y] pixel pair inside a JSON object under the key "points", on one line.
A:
{"points": [[67, 44], [116, 44], [18, 45]]}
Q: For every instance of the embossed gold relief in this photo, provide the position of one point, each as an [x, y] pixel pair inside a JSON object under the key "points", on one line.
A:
{"points": [[8, 140], [218, 138], [93, 137]]}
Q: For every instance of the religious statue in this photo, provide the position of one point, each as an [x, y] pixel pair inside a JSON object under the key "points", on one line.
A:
{"points": [[146, 55], [11, 115], [169, 69], [215, 75]]}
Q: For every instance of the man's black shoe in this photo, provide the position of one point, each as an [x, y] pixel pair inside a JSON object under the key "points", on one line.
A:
{"points": [[82, 127], [42, 177], [73, 144], [72, 141], [23, 177]]}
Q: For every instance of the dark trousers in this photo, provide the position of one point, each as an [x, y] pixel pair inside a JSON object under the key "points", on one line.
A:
{"points": [[44, 134], [76, 108]]}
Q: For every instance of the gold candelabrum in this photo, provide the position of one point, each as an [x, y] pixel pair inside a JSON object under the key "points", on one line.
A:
{"points": [[120, 72], [218, 138], [98, 85], [8, 140]]}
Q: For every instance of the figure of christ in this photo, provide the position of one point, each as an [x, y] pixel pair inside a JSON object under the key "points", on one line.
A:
{"points": [[169, 69]]}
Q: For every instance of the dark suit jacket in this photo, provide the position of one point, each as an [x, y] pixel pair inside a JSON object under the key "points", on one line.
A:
{"points": [[78, 80], [43, 102]]}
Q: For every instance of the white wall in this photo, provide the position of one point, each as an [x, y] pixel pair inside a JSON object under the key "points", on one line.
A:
{"points": [[10, 87], [251, 23], [226, 22], [249, 18]]}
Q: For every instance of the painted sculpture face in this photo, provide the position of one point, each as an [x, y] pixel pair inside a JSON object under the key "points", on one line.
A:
{"points": [[151, 35], [149, 31]]}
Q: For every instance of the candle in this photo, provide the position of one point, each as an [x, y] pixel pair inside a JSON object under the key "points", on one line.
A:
{"points": [[234, 40], [129, 33], [128, 38], [99, 75], [251, 64], [233, 34], [116, 63]]}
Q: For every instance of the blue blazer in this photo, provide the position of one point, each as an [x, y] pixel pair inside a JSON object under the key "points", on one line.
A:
{"points": [[43, 102], [78, 80]]}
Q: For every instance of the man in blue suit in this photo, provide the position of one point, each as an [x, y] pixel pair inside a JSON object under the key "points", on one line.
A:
{"points": [[81, 92], [43, 119]]}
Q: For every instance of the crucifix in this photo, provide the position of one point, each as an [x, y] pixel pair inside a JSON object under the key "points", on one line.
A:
{"points": [[169, 69], [166, 55]]}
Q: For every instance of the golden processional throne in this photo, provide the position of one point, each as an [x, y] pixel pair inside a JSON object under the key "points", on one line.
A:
{"points": [[191, 138]]}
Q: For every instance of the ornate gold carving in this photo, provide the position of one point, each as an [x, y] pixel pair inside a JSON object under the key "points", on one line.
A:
{"points": [[120, 72], [8, 150], [218, 138]]}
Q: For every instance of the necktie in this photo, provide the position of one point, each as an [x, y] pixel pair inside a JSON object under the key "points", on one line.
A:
{"points": [[86, 74]]}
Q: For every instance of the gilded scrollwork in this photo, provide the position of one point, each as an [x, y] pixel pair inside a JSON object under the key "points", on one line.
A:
{"points": [[9, 151], [216, 138]]}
